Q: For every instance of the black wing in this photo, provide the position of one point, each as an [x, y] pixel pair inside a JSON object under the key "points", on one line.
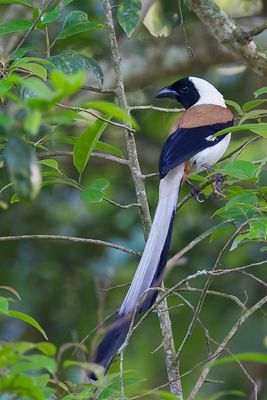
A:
{"points": [[184, 143]]}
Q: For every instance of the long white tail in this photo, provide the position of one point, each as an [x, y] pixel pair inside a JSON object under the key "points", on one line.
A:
{"points": [[149, 263], [150, 268]]}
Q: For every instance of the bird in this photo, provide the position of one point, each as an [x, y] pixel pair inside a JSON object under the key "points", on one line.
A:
{"points": [[190, 146]]}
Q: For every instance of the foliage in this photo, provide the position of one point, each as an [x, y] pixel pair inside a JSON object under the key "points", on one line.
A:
{"points": [[45, 115]]}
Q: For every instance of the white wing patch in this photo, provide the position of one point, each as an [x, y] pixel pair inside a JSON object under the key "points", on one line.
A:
{"points": [[211, 138]]}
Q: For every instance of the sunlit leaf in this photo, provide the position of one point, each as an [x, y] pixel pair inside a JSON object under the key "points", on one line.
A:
{"points": [[260, 91], [235, 106], [260, 128], [252, 104]]}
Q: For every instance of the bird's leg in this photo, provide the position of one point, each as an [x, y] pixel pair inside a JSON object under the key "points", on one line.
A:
{"points": [[194, 191], [219, 179]]}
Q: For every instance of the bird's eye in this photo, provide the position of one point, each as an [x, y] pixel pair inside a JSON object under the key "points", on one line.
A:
{"points": [[184, 89]]}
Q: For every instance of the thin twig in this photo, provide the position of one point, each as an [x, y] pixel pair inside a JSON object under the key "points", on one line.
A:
{"points": [[70, 239], [98, 90], [34, 24], [108, 157], [223, 344], [187, 44], [85, 110], [151, 107], [257, 30], [114, 203]]}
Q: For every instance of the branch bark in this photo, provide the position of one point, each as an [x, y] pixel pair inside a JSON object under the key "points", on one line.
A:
{"points": [[230, 35]]}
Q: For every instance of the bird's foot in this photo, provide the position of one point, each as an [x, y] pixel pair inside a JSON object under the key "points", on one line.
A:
{"points": [[194, 192], [219, 180]]}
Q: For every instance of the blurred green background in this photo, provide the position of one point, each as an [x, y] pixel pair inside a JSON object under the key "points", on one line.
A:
{"points": [[61, 282]]}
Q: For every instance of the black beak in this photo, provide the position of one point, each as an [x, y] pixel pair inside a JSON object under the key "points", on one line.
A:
{"points": [[167, 92]]}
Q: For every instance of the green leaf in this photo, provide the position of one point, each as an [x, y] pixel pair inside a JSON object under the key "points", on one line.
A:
{"points": [[101, 184], [16, 55], [23, 168], [240, 169], [20, 385], [252, 104], [166, 395], [70, 61], [4, 305], [10, 27], [68, 84], [49, 349], [97, 369], [260, 91], [22, 2], [32, 122], [235, 106], [49, 16], [77, 22], [255, 357], [128, 15], [111, 109], [227, 393], [86, 143], [254, 114], [36, 69], [260, 128], [36, 362], [51, 163], [92, 195], [109, 149], [95, 193], [29, 320]]}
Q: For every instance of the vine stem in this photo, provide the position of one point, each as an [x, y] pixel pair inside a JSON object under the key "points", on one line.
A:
{"points": [[163, 314]]}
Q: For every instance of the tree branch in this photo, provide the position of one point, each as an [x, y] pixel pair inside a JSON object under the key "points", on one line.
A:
{"points": [[70, 239], [138, 180], [235, 328], [230, 35]]}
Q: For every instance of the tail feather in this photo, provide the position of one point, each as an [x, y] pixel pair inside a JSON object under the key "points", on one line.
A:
{"points": [[150, 269]]}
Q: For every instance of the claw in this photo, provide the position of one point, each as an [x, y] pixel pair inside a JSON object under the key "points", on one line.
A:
{"points": [[220, 178], [197, 195], [195, 192]]}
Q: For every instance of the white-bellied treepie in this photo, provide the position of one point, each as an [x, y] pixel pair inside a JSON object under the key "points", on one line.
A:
{"points": [[190, 146]]}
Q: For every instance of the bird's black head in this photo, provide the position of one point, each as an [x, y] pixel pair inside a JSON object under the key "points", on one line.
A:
{"points": [[183, 90]]}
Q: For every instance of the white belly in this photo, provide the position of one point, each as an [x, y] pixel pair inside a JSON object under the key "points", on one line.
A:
{"points": [[211, 155]]}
